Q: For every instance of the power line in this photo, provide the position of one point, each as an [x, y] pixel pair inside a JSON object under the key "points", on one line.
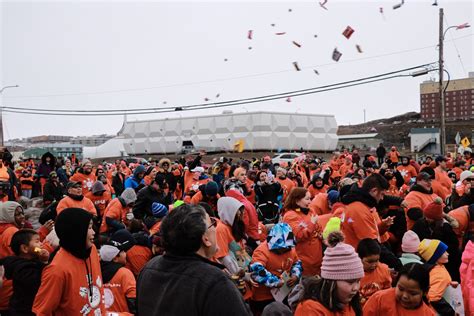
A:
{"points": [[302, 92], [228, 78]]}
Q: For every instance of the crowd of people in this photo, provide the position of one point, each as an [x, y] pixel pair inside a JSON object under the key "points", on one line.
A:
{"points": [[379, 234]]}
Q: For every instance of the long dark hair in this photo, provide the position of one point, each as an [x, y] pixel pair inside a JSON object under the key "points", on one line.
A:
{"points": [[419, 273], [325, 292]]}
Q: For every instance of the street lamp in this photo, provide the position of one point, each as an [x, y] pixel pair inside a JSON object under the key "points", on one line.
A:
{"points": [[1, 113], [442, 33]]}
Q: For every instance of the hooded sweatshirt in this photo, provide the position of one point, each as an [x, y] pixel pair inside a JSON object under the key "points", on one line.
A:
{"points": [[100, 201], [250, 215], [72, 283], [134, 182], [7, 230], [467, 278]]}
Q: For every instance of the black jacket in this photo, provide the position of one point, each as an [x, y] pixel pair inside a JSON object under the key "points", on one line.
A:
{"points": [[52, 192], [188, 285], [26, 276], [466, 199], [381, 151], [118, 183], [145, 199]]}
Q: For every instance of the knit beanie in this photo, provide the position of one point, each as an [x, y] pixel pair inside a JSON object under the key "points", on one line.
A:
{"points": [[410, 242], [97, 187], [129, 196], [434, 210], [211, 188], [333, 195], [431, 250], [158, 210], [333, 225], [340, 261]]}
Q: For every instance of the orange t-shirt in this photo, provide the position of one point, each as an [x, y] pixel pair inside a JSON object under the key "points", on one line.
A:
{"points": [[86, 180], [65, 290], [315, 308], [393, 155], [359, 222], [273, 263], [100, 201], [308, 240], [85, 204], [120, 287], [137, 258], [379, 279], [315, 191], [116, 211], [417, 199], [384, 303], [407, 172]]}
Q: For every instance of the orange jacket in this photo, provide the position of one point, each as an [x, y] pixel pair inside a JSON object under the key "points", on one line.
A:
{"points": [[384, 303], [273, 263], [313, 308], [86, 180], [360, 221], [116, 211], [461, 214], [308, 240], [320, 204], [100, 201], [439, 281], [85, 203], [65, 289], [417, 199], [118, 289]]}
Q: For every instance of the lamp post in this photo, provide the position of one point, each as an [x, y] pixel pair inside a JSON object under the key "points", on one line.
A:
{"points": [[441, 70], [1, 113]]}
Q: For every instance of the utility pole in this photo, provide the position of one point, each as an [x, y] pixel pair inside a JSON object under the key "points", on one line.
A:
{"points": [[441, 90], [1, 113], [364, 116]]}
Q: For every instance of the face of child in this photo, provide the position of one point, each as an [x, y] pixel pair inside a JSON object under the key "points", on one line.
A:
{"points": [[370, 263], [90, 236], [34, 244], [444, 258], [408, 293], [19, 217], [346, 290], [304, 202]]}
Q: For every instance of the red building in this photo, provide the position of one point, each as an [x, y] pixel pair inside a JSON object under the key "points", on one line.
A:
{"points": [[459, 100]]}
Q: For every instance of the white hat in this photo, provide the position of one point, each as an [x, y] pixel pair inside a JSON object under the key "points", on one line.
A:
{"points": [[198, 169], [465, 175], [108, 252]]}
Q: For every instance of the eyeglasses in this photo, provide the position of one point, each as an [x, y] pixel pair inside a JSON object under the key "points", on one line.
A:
{"points": [[213, 222]]}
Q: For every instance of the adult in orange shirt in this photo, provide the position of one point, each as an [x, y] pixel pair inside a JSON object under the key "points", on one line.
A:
{"points": [[100, 197], [72, 283], [85, 176], [12, 218], [273, 259], [420, 195], [75, 199], [408, 298], [394, 155], [317, 185], [406, 170], [377, 275], [115, 215], [119, 282], [361, 219], [441, 174], [336, 292], [303, 223], [347, 167], [286, 184]]}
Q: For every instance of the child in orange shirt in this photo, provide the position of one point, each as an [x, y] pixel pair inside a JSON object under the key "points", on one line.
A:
{"points": [[119, 282], [377, 275]]}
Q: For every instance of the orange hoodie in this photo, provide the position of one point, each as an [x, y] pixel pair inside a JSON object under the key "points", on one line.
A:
{"points": [[308, 240], [100, 201], [65, 289], [68, 202], [114, 210], [121, 286], [360, 221], [320, 204]]}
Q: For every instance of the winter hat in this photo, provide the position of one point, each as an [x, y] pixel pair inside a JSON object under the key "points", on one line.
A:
{"points": [[122, 239], [97, 187], [227, 207], [139, 169], [52, 174], [178, 203], [276, 309], [333, 195], [280, 237], [434, 210], [7, 211], [71, 227], [410, 242], [159, 210], [333, 225], [466, 174], [427, 174], [198, 169], [160, 179], [239, 170], [431, 250], [340, 261], [108, 252], [129, 196], [211, 188], [85, 162]]}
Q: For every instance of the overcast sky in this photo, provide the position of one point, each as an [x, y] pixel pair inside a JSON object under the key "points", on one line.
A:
{"points": [[130, 54]]}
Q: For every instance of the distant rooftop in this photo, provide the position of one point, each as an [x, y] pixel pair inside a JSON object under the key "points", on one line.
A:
{"points": [[357, 136], [424, 130]]}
